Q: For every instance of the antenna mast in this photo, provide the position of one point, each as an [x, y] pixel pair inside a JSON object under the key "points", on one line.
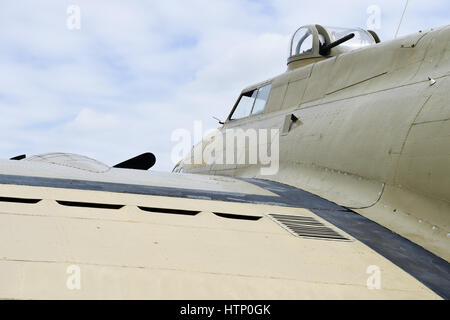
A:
{"points": [[401, 19]]}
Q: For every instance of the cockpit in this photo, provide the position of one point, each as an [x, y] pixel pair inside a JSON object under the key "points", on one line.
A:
{"points": [[313, 43], [309, 44]]}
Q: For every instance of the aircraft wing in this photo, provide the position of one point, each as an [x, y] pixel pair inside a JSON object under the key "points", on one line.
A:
{"points": [[125, 233]]}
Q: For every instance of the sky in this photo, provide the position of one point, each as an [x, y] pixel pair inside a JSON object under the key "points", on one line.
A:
{"points": [[132, 72]]}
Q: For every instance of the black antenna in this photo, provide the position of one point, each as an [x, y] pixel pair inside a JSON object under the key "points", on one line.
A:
{"points": [[22, 156], [142, 162], [220, 121]]}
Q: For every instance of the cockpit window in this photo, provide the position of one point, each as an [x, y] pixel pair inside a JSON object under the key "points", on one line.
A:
{"points": [[245, 105], [251, 102], [261, 99]]}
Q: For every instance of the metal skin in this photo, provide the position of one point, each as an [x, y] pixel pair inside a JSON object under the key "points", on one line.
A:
{"points": [[374, 134]]}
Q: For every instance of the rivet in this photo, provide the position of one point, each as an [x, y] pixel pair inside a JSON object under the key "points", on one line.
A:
{"points": [[434, 228], [420, 220]]}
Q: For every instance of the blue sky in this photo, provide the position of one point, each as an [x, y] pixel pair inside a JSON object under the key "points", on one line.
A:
{"points": [[136, 70]]}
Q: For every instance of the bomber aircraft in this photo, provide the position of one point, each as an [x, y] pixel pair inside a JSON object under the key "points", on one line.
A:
{"points": [[349, 200]]}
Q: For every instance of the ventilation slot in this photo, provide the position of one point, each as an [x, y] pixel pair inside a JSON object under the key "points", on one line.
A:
{"points": [[90, 205], [170, 211], [307, 227], [19, 200], [236, 216]]}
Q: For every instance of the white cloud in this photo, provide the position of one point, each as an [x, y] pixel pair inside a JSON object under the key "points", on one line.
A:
{"points": [[138, 70]]}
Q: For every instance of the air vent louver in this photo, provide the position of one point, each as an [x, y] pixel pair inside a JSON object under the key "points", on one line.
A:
{"points": [[170, 211], [89, 205], [236, 216], [307, 227], [19, 200]]}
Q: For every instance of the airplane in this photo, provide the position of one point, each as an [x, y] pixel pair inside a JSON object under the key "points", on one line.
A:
{"points": [[357, 205]]}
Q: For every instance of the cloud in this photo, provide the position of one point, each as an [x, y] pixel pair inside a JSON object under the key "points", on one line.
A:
{"points": [[136, 71]]}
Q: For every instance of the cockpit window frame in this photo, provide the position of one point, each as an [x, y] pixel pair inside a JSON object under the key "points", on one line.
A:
{"points": [[243, 93], [247, 93]]}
